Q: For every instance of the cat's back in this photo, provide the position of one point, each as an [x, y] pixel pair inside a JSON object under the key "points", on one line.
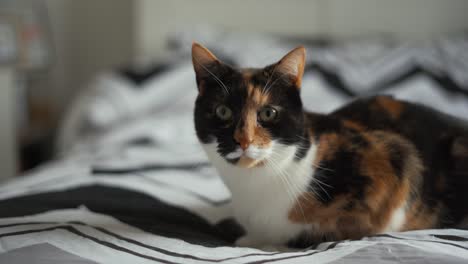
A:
{"points": [[441, 142], [387, 113], [436, 135]]}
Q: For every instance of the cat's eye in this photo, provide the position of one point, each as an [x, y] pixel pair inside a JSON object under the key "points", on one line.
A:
{"points": [[223, 112], [268, 114]]}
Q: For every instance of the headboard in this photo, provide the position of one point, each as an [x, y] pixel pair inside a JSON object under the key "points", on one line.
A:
{"points": [[413, 19]]}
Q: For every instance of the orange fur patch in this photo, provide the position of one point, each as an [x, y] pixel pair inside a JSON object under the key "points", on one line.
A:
{"points": [[245, 134], [391, 106], [331, 219], [387, 193], [250, 132], [353, 125], [327, 145]]}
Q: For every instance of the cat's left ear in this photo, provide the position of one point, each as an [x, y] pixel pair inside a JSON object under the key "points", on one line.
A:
{"points": [[292, 64], [202, 59]]}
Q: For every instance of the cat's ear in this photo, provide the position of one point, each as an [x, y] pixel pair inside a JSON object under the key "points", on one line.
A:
{"points": [[292, 64], [203, 60]]}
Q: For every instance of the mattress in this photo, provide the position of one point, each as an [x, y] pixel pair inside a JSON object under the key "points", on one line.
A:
{"points": [[132, 184]]}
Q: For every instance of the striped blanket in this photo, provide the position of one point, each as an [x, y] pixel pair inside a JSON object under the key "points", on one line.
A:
{"points": [[108, 207]]}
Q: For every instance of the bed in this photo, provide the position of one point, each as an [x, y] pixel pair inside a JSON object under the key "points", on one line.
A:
{"points": [[131, 184]]}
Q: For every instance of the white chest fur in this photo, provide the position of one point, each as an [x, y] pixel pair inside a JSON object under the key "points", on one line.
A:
{"points": [[262, 197]]}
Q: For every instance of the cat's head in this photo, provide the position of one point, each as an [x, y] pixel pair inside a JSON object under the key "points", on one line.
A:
{"points": [[249, 115]]}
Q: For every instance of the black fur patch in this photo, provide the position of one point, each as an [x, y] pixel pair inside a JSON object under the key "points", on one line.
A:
{"points": [[303, 147], [397, 158], [338, 176]]}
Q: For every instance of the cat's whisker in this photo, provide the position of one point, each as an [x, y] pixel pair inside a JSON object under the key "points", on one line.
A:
{"points": [[319, 183], [322, 183], [303, 138], [322, 168], [303, 197], [279, 156], [274, 167], [269, 79], [312, 163], [277, 168], [307, 148], [288, 186]]}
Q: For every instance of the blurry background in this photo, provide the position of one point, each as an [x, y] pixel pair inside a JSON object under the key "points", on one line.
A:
{"points": [[51, 49]]}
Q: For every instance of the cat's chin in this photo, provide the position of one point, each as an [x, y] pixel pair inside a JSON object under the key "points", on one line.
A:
{"points": [[248, 163]]}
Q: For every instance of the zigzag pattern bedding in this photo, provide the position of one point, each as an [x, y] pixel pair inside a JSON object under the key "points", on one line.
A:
{"points": [[111, 208], [142, 191]]}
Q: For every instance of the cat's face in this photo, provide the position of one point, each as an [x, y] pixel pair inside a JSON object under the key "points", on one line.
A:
{"points": [[250, 115]]}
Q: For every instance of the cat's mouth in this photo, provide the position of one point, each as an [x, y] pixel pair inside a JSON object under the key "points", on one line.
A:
{"points": [[248, 158], [246, 162]]}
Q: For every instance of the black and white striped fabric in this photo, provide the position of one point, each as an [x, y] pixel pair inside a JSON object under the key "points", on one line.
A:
{"points": [[134, 186], [137, 201]]}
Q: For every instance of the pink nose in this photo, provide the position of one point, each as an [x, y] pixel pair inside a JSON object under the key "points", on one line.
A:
{"points": [[244, 141], [244, 136], [245, 145]]}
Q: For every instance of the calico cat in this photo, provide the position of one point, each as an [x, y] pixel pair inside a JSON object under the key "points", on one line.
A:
{"points": [[375, 165]]}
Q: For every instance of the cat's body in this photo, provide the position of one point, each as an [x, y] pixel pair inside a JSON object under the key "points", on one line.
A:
{"points": [[373, 166]]}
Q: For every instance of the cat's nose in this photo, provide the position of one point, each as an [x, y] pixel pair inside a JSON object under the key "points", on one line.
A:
{"points": [[244, 134], [244, 141], [245, 144]]}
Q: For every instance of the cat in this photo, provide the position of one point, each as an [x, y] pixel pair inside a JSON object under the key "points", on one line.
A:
{"points": [[375, 165]]}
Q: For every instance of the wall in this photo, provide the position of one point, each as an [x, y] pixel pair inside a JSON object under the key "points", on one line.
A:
{"points": [[413, 19], [156, 18], [89, 36], [7, 133]]}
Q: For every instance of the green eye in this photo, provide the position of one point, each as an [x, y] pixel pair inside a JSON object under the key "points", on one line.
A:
{"points": [[223, 112], [268, 114]]}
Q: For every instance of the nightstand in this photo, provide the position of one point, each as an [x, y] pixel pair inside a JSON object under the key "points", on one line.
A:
{"points": [[8, 154]]}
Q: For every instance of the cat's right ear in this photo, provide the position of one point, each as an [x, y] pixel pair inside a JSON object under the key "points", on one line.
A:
{"points": [[203, 63], [292, 65]]}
